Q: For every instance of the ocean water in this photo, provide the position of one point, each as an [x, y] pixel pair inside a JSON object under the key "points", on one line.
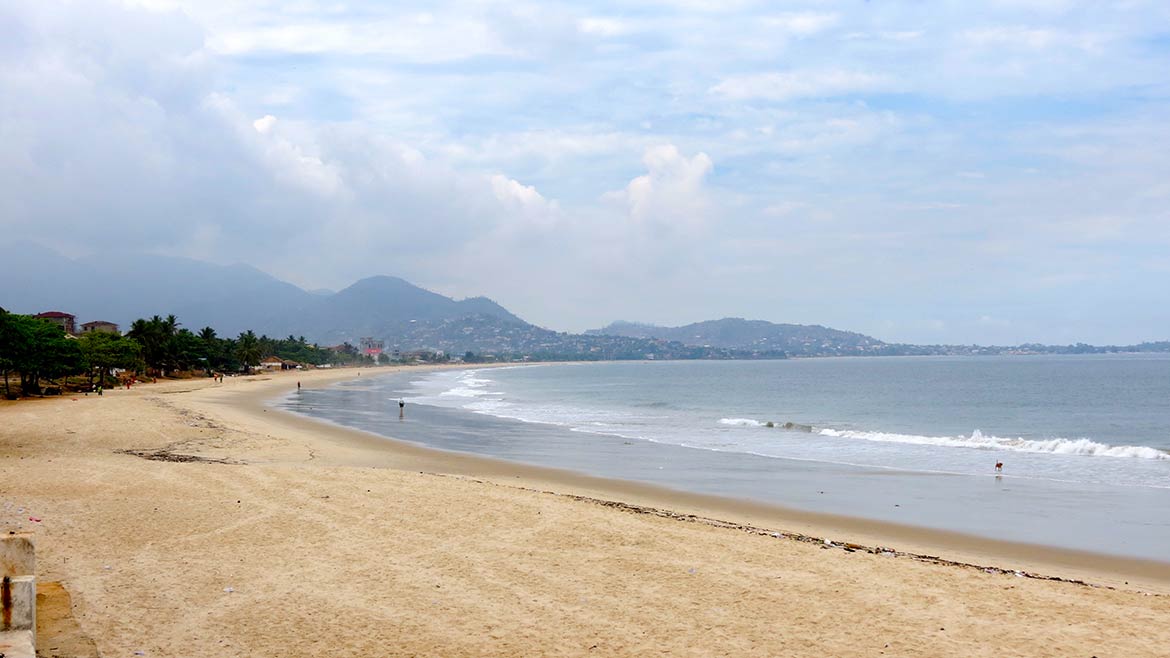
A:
{"points": [[1084, 440]]}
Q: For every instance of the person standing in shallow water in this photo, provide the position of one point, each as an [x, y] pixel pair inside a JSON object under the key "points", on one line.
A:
{"points": [[401, 409]]}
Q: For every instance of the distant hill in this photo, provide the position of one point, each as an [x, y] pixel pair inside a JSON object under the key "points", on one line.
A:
{"points": [[384, 306], [493, 335], [755, 336], [231, 298], [760, 338], [235, 298], [123, 287]]}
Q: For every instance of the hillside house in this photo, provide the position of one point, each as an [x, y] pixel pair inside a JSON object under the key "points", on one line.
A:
{"points": [[64, 320], [99, 325]]}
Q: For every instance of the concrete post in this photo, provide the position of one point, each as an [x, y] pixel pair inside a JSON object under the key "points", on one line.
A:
{"points": [[18, 595]]}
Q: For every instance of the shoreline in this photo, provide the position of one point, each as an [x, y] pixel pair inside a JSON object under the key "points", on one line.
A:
{"points": [[188, 518], [1098, 569]]}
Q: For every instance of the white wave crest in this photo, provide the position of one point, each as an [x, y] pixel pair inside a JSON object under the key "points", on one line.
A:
{"points": [[487, 406], [977, 440], [465, 392], [740, 422], [470, 386]]}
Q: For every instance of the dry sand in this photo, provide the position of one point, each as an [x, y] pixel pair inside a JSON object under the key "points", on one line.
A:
{"points": [[305, 539]]}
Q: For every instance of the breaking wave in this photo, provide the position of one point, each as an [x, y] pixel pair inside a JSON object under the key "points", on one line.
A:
{"points": [[470, 386], [979, 441], [741, 422]]}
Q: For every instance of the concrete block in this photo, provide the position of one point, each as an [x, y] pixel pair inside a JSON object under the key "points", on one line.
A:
{"points": [[17, 644], [18, 594], [17, 554], [18, 600]]}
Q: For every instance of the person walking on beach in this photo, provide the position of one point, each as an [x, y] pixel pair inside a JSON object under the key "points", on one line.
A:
{"points": [[999, 467], [401, 409], [298, 386]]}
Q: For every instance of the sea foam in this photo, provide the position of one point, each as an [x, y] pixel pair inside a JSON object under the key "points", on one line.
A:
{"points": [[978, 440], [470, 386], [741, 422]]}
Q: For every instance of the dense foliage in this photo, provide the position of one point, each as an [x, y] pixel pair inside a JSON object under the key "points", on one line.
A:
{"points": [[37, 350], [103, 352], [169, 347]]}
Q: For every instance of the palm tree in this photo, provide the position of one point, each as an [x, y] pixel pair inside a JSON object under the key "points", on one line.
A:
{"points": [[248, 349], [162, 348], [148, 333], [168, 330], [212, 348]]}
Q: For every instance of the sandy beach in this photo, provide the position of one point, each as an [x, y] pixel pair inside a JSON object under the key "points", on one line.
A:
{"points": [[188, 518]]}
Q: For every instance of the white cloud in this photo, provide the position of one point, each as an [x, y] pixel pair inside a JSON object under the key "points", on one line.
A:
{"points": [[417, 41], [794, 85], [524, 202], [1034, 5], [783, 208], [670, 197], [1090, 230], [511, 191], [604, 27], [802, 24], [469, 147], [1034, 39], [902, 35], [264, 123]]}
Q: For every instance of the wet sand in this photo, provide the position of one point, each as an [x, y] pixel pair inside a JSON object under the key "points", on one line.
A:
{"points": [[276, 535]]}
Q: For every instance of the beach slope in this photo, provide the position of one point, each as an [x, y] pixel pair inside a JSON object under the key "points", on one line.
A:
{"points": [[188, 519]]}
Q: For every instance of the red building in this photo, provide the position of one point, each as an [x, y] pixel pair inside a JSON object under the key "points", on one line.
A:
{"points": [[63, 320]]}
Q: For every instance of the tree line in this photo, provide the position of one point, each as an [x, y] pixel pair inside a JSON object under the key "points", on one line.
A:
{"points": [[35, 350]]}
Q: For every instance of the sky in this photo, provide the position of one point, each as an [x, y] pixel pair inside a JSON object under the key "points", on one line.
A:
{"points": [[930, 172]]}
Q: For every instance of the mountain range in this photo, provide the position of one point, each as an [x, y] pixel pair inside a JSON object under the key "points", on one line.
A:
{"points": [[758, 335], [230, 298], [233, 298]]}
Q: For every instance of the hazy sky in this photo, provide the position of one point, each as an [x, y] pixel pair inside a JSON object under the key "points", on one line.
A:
{"points": [[991, 172]]}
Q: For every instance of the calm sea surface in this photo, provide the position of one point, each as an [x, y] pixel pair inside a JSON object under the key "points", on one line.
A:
{"points": [[1085, 440]]}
